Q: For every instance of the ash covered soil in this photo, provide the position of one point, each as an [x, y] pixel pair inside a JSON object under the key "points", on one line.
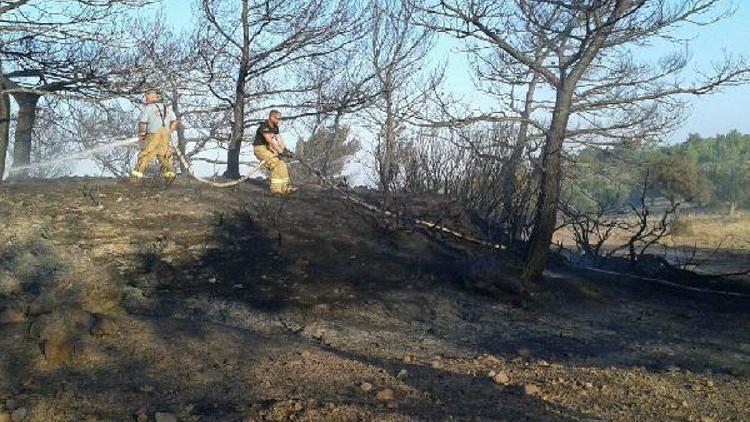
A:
{"points": [[149, 303]]}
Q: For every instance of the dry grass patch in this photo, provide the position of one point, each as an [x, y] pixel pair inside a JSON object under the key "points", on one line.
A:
{"points": [[705, 231]]}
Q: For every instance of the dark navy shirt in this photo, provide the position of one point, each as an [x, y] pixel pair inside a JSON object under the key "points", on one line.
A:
{"points": [[264, 128]]}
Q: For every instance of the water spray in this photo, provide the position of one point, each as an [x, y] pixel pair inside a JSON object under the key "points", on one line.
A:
{"points": [[77, 156]]}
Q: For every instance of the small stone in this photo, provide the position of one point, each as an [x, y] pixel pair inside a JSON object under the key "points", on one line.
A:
{"points": [[409, 359], [588, 385], [18, 415], [165, 417], [436, 364], [305, 353], [366, 387], [391, 405], [501, 378], [543, 363], [684, 403], [385, 395], [530, 389], [710, 383], [402, 374]]}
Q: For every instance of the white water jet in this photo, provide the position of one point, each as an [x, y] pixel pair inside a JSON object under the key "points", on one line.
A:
{"points": [[77, 156]]}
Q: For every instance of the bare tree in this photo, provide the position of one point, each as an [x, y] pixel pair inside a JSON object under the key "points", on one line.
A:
{"points": [[4, 127], [465, 167], [627, 206], [60, 50], [248, 53], [397, 50], [344, 86], [599, 90]]}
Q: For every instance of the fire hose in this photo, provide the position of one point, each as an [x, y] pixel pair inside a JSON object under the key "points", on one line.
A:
{"points": [[190, 170], [420, 222]]}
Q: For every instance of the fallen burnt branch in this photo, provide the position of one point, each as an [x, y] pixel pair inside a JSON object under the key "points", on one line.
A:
{"points": [[390, 214]]}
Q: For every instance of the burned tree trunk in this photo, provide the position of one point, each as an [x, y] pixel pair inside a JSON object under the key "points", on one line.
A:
{"points": [[4, 128], [238, 131], [238, 109], [549, 194], [27, 104]]}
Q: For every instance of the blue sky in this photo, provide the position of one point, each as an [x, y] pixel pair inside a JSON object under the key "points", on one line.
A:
{"points": [[711, 114], [730, 108]]}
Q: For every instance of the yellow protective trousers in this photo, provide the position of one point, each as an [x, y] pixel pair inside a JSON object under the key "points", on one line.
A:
{"points": [[156, 146], [276, 166]]}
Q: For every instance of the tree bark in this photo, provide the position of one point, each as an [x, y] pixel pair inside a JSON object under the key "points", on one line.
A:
{"points": [[27, 104], [546, 207], [238, 109], [510, 169], [235, 143], [4, 128]]}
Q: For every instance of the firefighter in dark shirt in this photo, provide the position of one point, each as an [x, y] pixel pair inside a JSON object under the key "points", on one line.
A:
{"points": [[267, 146]]}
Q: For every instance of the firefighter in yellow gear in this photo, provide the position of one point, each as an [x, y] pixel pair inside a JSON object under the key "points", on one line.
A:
{"points": [[268, 146], [155, 127]]}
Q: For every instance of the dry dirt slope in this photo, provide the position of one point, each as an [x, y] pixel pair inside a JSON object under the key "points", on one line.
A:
{"points": [[228, 305]]}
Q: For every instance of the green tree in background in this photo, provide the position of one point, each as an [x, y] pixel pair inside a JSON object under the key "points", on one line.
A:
{"points": [[328, 150], [725, 160], [677, 179]]}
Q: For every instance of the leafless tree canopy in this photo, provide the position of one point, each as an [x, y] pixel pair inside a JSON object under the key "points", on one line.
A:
{"points": [[583, 53]]}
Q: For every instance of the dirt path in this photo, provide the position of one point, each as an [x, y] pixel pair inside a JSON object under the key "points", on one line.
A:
{"points": [[229, 305]]}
